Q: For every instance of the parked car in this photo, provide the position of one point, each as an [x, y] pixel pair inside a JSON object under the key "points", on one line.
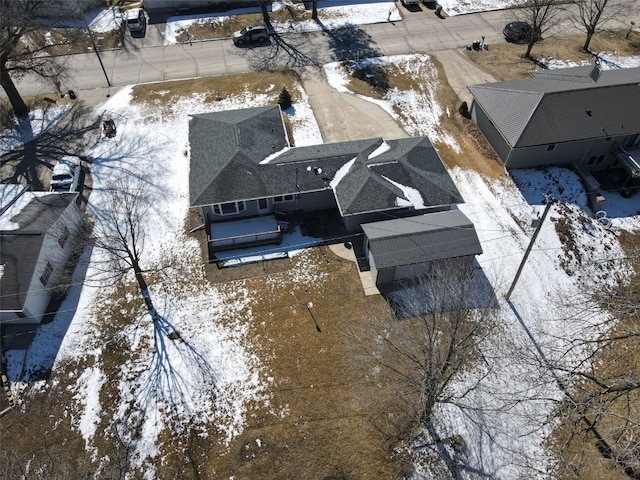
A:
{"points": [[250, 34], [66, 175], [136, 21], [520, 32]]}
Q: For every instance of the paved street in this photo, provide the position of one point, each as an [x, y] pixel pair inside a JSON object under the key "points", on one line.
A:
{"points": [[147, 60]]}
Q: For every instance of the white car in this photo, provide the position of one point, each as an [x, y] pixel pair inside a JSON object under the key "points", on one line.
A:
{"points": [[250, 34], [66, 175]]}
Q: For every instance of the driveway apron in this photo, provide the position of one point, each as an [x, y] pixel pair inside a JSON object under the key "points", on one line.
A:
{"points": [[345, 116], [461, 71]]}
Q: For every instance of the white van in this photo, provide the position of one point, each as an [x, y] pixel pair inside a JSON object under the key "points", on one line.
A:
{"points": [[66, 175], [135, 19]]}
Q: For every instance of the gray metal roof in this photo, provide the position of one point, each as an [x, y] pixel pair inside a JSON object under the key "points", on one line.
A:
{"points": [[423, 238], [226, 171], [20, 247], [563, 105]]}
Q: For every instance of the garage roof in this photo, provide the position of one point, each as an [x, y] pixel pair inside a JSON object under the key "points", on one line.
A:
{"points": [[423, 238]]}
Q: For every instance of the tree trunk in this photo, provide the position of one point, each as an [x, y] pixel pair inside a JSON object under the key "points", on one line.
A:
{"points": [[314, 11], [144, 290], [442, 451], [585, 47], [527, 54], [19, 107], [265, 14]]}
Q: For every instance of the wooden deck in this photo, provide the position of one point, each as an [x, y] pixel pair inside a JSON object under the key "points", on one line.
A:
{"points": [[242, 233]]}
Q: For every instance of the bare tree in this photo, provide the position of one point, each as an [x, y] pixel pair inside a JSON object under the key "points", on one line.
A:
{"points": [[118, 231], [591, 16], [265, 14], [541, 15], [430, 337], [600, 377], [23, 49], [314, 9]]}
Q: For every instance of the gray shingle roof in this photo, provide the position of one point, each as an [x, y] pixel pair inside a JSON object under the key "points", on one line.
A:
{"points": [[20, 247], [424, 238], [226, 145], [224, 170], [562, 105]]}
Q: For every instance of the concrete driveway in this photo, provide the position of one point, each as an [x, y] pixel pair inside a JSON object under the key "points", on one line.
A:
{"points": [[344, 116]]}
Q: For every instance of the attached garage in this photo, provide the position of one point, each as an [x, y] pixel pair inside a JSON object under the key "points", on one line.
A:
{"points": [[406, 248]]}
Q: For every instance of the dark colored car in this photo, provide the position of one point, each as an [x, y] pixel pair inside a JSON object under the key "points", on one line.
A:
{"points": [[250, 34], [520, 32]]}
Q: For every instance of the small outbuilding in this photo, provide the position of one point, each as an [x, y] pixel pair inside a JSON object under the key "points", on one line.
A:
{"points": [[408, 248]]}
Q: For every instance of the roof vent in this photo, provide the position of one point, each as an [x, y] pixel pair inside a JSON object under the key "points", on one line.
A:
{"points": [[589, 112]]}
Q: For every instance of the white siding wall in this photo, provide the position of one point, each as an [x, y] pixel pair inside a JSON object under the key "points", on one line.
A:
{"points": [[40, 295]]}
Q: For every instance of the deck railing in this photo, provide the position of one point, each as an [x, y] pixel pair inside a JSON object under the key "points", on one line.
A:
{"points": [[246, 240]]}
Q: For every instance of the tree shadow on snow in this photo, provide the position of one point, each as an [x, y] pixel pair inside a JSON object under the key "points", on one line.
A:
{"points": [[166, 382]]}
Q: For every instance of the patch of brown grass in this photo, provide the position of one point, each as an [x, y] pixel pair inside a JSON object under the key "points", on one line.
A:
{"points": [[573, 443], [505, 62], [213, 28], [163, 95], [320, 380], [475, 152]]}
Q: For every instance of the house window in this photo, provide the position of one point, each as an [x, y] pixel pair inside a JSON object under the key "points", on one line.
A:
{"points": [[48, 270], [229, 208], [608, 139], [592, 160], [283, 198], [62, 241], [551, 147], [263, 204], [600, 159]]}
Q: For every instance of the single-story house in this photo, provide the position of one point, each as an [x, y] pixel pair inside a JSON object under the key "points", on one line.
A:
{"points": [[37, 231], [242, 164], [584, 118], [405, 248]]}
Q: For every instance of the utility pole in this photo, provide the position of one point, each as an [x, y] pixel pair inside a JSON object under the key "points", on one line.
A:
{"points": [[550, 200], [95, 49]]}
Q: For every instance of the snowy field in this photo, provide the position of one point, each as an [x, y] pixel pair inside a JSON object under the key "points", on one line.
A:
{"points": [[505, 443]]}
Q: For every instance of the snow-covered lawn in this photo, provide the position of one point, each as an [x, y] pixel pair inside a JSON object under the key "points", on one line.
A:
{"points": [[214, 371], [331, 15], [226, 375], [503, 433]]}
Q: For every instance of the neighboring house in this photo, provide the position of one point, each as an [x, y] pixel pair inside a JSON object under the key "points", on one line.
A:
{"points": [[37, 231], [406, 248], [580, 117]]}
